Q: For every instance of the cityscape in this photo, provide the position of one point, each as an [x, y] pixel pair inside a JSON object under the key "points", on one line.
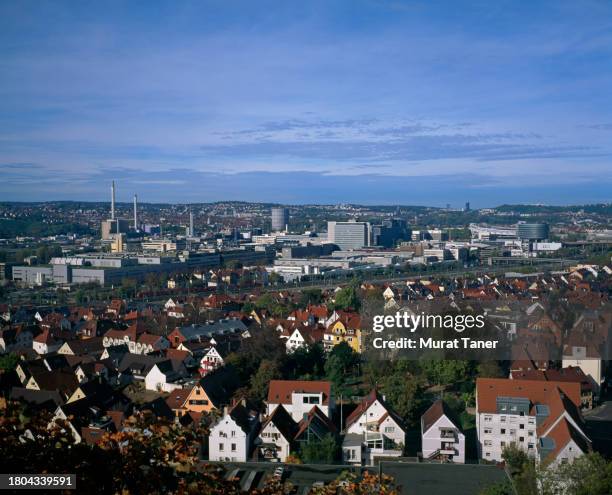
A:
{"points": [[341, 247]]}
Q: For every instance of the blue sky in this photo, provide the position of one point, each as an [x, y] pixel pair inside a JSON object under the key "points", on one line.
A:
{"points": [[411, 102]]}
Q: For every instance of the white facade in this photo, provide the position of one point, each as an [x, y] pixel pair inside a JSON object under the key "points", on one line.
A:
{"points": [[370, 421], [228, 441], [158, 381], [496, 431], [444, 438], [591, 367], [295, 341], [44, 348], [270, 434], [302, 403]]}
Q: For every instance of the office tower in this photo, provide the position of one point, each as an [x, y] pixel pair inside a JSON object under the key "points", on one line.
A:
{"points": [[349, 235], [389, 232], [135, 212], [280, 219], [467, 206], [191, 231]]}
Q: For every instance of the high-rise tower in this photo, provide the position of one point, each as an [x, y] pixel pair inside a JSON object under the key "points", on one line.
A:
{"points": [[135, 212], [113, 200]]}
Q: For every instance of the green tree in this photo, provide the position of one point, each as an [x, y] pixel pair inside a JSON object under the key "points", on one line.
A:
{"points": [[405, 395], [268, 370], [489, 369], [347, 298], [311, 296], [8, 361], [589, 474], [324, 451], [445, 372]]}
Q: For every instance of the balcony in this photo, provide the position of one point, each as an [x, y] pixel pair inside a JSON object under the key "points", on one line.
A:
{"points": [[448, 434]]}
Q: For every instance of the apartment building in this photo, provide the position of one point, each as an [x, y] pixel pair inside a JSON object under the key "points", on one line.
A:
{"points": [[543, 418]]}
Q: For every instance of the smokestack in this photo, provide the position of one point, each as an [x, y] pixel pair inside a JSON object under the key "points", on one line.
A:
{"points": [[191, 223], [135, 212], [113, 200]]}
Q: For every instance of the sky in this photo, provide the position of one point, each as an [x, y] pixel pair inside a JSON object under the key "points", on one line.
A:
{"points": [[358, 101]]}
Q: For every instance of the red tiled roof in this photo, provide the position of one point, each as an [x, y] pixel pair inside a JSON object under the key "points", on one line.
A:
{"points": [[280, 391], [562, 433]]}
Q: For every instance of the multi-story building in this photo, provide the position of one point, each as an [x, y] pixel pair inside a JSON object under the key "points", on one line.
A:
{"points": [[543, 418], [389, 232], [349, 235]]}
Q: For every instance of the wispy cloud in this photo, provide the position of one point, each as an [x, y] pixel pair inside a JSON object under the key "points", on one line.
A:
{"points": [[420, 90]]}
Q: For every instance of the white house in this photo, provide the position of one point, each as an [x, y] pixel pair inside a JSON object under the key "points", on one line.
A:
{"points": [[373, 430], [45, 343], [211, 360], [299, 396], [441, 437], [588, 359], [295, 341], [232, 437], [164, 377], [276, 438]]}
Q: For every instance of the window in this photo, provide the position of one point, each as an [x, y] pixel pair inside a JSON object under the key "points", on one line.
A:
{"points": [[233, 447], [488, 431], [503, 444], [233, 433], [530, 433], [389, 429], [530, 446], [521, 439], [221, 447], [503, 431], [488, 454], [521, 427], [488, 418], [488, 443], [502, 419]]}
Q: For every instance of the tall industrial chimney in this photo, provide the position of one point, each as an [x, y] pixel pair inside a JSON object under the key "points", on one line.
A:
{"points": [[113, 200], [191, 233], [135, 212]]}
